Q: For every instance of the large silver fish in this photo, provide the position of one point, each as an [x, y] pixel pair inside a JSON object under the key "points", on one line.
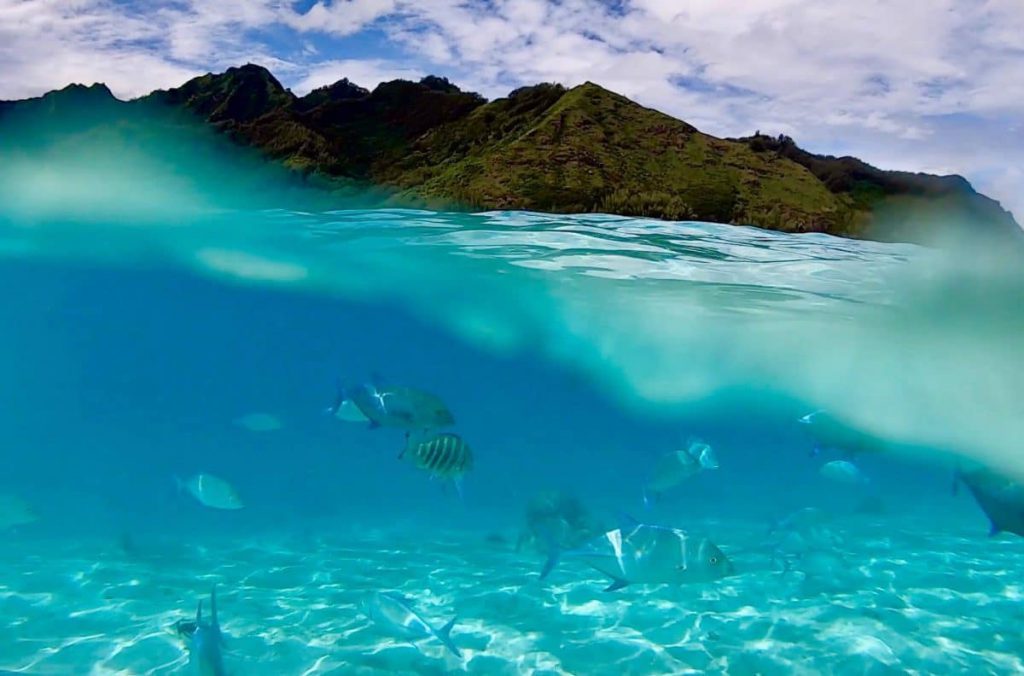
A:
{"points": [[1001, 498], [204, 641], [645, 554], [443, 455], [395, 615], [211, 491], [391, 406], [675, 467]]}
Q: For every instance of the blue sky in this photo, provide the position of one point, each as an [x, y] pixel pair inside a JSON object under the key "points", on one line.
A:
{"points": [[936, 86]]}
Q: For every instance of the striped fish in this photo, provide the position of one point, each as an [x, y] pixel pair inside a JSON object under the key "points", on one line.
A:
{"points": [[443, 455]]}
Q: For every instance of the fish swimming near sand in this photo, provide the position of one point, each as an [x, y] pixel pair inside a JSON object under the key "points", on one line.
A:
{"points": [[211, 491], [646, 554], [393, 406], [554, 518], [844, 472], [204, 641], [828, 433], [15, 512], [675, 467], [395, 615], [1001, 498], [444, 455]]}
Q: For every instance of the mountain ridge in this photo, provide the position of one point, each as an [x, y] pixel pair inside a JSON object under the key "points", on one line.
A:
{"points": [[550, 148]]}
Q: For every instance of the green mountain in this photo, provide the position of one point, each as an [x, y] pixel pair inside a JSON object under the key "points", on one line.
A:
{"points": [[547, 148]]}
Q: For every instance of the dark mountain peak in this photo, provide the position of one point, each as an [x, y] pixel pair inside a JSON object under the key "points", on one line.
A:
{"points": [[342, 90], [542, 89], [80, 100], [239, 94], [95, 91], [439, 84]]}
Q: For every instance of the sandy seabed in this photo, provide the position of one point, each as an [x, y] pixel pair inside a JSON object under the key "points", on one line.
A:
{"points": [[857, 597]]}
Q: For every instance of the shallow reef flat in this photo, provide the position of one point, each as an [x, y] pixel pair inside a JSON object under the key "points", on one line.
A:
{"points": [[865, 597]]}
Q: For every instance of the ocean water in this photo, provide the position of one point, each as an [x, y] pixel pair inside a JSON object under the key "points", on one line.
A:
{"points": [[148, 337]]}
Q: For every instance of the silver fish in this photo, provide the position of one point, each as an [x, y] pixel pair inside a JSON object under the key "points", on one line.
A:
{"points": [[211, 491], [844, 472], [395, 615], [675, 467], [403, 407], [204, 641], [645, 554]]}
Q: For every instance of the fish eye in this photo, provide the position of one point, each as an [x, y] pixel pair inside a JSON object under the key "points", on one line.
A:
{"points": [[713, 560]]}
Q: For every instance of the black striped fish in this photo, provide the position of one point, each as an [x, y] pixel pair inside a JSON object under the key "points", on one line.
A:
{"points": [[443, 455]]}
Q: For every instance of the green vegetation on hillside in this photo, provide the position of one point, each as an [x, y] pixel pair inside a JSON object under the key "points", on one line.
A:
{"points": [[546, 148]]}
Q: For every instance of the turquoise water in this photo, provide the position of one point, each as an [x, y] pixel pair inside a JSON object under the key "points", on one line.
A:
{"points": [[160, 335]]}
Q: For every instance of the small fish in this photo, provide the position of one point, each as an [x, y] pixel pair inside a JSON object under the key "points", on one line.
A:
{"points": [[203, 640], [645, 554], [259, 422], [1001, 498], [15, 512], [844, 472], [395, 615], [443, 455], [211, 491], [675, 467], [403, 407], [828, 433]]}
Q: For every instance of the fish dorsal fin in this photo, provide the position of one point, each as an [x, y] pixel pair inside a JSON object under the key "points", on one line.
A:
{"points": [[617, 583], [199, 613]]}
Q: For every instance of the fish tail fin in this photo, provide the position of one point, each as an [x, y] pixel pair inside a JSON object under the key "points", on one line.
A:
{"points": [[550, 562], [444, 635], [199, 612], [554, 553], [707, 458], [339, 397]]}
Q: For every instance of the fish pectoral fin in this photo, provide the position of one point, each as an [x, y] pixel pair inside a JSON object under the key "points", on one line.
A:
{"points": [[994, 530], [617, 583]]}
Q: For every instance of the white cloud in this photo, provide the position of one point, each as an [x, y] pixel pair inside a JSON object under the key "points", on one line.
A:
{"points": [[875, 78]]}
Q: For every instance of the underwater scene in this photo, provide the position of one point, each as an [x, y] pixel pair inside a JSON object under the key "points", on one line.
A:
{"points": [[248, 432]]}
